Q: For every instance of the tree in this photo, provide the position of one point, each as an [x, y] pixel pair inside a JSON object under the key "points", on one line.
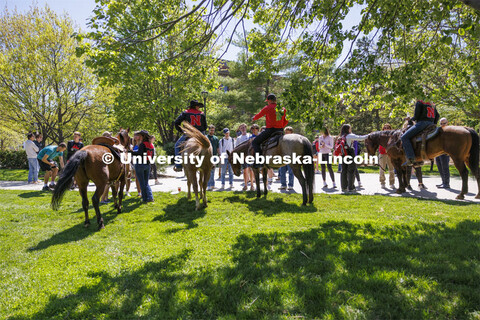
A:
{"points": [[154, 81], [44, 86]]}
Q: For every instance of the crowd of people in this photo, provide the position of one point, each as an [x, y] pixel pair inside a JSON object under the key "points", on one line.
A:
{"points": [[44, 157]]}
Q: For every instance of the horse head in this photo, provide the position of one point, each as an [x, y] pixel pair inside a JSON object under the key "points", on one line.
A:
{"points": [[124, 138], [371, 144], [236, 167]]}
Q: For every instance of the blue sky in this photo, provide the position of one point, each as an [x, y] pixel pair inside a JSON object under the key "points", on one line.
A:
{"points": [[81, 10]]}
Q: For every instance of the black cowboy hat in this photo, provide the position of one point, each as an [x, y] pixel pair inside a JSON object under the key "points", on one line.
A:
{"points": [[193, 103], [143, 133]]}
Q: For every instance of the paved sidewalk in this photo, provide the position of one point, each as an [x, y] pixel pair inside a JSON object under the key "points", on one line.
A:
{"points": [[171, 181]]}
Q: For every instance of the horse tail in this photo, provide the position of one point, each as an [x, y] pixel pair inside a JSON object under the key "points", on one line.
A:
{"points": [[194, 133], [308, 168], [473, 158], [66, 179]]}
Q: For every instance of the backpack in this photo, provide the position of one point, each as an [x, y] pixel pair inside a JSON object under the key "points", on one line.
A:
{"points": [[341, 148]]}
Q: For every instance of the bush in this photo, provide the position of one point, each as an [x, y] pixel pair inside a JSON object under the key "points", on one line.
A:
{"points": [[13, 159], [169, 148]]}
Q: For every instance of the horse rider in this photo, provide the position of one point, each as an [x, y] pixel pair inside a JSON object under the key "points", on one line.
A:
{"points": [[425, 115], [196, 118], [272, 124]]}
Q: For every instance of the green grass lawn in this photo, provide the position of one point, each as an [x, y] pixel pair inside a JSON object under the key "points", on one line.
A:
{"points": [[17, 175], [346, 257]]}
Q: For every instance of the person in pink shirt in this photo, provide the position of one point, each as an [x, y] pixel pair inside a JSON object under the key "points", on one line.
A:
{"points": [[325, 145], [384, 161]]}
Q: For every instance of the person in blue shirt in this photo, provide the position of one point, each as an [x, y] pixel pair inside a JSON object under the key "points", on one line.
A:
{"points": [[45, 160]]}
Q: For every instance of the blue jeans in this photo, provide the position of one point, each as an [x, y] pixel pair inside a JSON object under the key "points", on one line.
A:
{"points": [[443, 168], [143, 171], [33, 168], [282, 172], [409, 134], [211, 181], [178, 145], [226, 166]]}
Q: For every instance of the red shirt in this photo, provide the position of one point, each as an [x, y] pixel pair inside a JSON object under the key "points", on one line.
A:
{"points": [[382, 150], [270, 116]]}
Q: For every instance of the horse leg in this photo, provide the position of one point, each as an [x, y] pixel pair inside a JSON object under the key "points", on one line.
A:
{"points": [[408, 176], [398, 168], [189, 183], [95, 201], [203, 187], [462, 169], [113, 186], [257, 181], [195, 189], [265, 180], [120, 196], [82, 188], [297, 172], [418, 173]]}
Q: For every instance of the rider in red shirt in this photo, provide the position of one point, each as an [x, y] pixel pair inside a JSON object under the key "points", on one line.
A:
{"points": [[272, 124]]}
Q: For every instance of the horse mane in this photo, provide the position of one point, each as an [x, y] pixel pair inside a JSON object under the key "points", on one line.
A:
{"points": [[243, 145], [201, 141]]}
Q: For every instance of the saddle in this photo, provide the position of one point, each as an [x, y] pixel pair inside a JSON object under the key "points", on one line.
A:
{"points": [[426, 134], [272, 141], [111, 143]]}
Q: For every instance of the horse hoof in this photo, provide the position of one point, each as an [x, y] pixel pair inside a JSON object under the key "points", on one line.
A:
{"points": [[400, 191], [460, 197], [101, 226], [86, 224], [119, 210], [422, 186], [477, 196]]}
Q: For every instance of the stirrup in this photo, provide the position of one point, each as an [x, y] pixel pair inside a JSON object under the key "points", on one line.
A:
{"points": [[408, 163]]}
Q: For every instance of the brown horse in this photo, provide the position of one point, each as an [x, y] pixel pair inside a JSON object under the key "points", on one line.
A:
{"points": [[198, 145], [288, 145], [460, 143], [388, 139], [88, 164]]}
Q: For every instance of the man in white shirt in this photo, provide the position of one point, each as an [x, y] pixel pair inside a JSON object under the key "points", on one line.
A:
{"points": [[246, 170], [32, 150], [226, 143]]}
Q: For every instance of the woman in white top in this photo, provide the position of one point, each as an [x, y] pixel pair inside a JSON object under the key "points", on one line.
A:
{"points": [[325, 145], [348, 170]]}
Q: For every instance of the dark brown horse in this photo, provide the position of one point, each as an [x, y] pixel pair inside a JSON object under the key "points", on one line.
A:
{"points": [[88, 164], [389, 138], [460, 143], [288, 145]]}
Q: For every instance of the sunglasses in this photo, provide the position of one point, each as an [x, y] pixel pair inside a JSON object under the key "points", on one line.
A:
{"points": [[443, 123]]}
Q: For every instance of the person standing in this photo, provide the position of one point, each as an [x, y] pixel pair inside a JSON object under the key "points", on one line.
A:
{"points": [[325, 145], [45, 159], [316, 154], [348, 167], [226, 143], [384, 161], [443, 163], [153, 166], [31, 149], [72, 147], [143, 169], [282, 171], [244, 136], [215, 151]]}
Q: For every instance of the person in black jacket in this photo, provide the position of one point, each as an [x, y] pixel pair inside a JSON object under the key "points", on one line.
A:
{"points": [[425, 115], [74, 145], [196, 118]]}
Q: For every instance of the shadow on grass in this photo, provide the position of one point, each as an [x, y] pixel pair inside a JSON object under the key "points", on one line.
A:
{"points": [[79, 232], [33, 194], [270, 207], [338, 270], [183, 211]]}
